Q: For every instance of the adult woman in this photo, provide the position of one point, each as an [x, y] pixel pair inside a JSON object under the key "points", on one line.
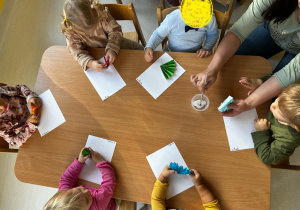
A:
{"points": [[277, 28]]}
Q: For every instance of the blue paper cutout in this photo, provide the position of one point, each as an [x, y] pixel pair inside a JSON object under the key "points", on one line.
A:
{"points": [[179, 169], [223, 107]]}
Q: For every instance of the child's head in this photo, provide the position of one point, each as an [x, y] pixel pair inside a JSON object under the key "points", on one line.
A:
{"points": [[79, 15], [78, 198], [286, 107]]}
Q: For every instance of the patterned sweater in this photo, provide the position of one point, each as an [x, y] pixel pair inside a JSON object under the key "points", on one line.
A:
{"points": [[107, 33], [285, 34], [14, 127]]}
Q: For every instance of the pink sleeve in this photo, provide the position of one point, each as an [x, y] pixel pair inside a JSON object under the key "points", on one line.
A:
{"points": [[70, 176], [104, 194]]}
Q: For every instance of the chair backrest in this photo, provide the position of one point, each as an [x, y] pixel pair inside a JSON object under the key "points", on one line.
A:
{"points": [[221, 18], [126, 12]]}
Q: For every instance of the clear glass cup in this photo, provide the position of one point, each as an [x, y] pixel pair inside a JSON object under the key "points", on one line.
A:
{"points": [[196, 100]]}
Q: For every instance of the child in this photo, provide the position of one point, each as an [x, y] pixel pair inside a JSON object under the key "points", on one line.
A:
{"points": [[161, 186], [16, 122], [88, 24], [182, 38], [84, 197], [277, 137]]}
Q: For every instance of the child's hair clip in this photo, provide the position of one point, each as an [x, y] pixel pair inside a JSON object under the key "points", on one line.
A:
{"points": [[92, 6], [65, 19]]}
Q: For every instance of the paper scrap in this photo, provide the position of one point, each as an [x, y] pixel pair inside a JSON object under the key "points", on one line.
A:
{"points": [[239, 129], [154, 81], [106, 82], [51, 115], [106, 148], [159, 159]]}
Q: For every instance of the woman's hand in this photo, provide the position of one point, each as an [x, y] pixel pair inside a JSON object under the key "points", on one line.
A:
{"points": [[198, 80], [236, 108], [111, 56]]}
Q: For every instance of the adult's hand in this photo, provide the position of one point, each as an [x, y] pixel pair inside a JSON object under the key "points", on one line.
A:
{"points": [[198, 80], [236, 108]]}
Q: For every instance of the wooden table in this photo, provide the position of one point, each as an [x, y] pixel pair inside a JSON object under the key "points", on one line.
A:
{"points": [[141, 125]]}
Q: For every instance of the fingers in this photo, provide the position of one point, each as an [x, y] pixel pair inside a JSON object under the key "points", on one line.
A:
{"points": [[194, 80], [250, 92], [100, 66], [202, 53], [151, 53]]}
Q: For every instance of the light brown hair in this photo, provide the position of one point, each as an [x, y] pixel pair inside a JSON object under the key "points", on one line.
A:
{"points": [[66, 200], [289, 103], [79, 15]]}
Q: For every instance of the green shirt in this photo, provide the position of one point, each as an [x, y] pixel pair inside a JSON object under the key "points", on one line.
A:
{"points": [[277, 143], [286, 35]]}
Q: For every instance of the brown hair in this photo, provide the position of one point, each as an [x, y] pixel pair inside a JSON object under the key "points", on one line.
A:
{"points": [[79, 15], [66, 200], [289, 103]]}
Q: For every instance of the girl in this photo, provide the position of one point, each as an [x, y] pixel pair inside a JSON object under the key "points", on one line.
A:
{"points": [[16, 122], [88, 24], [84, 197], [159, 192]]}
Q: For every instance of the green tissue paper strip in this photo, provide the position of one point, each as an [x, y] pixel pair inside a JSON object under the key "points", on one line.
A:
{"points": [[168, 68]]}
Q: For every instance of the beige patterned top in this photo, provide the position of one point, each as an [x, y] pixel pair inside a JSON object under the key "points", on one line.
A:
{"points": [[107, 33]]}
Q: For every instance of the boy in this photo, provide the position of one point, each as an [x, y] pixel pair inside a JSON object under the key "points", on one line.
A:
{"points": [[161, 186], [182, 37], [277, 137]]}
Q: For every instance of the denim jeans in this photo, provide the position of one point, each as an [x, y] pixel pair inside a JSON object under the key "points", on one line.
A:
{"points": [[260, 43]]}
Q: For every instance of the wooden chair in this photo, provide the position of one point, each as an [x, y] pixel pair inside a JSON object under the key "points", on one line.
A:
{"points": [[127, 12], [221, 18]]}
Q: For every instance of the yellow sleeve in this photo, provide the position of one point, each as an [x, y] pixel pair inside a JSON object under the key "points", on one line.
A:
{"points": [[159, 195], [214, 205]]}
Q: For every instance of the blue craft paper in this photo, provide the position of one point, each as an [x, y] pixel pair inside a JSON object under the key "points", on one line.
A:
{"points": [[223, 107], [179, 169]]}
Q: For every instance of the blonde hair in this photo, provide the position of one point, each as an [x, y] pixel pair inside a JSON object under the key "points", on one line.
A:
{"points": [[289, 103], [80, 15], [66, 200]]}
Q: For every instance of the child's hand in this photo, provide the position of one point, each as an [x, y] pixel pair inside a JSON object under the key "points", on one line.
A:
{"points": [[111, 56], [149, 54], [196, 178], [262, 124], [37, 103], [203, 53], [97, 65], [34, 119], [82, 158], [96, 157], [251, 84], [166, 172]]}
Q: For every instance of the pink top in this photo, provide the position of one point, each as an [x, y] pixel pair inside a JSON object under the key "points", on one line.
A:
{"points": [[14, 127], [102, 197]]}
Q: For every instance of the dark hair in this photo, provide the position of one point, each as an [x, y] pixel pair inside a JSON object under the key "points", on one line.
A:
{"points": [[280, 10]]}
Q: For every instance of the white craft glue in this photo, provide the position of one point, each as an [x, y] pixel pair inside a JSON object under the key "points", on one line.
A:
{"points": [[198, 105]]}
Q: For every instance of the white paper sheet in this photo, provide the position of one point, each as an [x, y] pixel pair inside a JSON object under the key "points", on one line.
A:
{"points": [[106, 148], [239, 129], [154, 81], [106, 82], [51, 115], [157, 160]]}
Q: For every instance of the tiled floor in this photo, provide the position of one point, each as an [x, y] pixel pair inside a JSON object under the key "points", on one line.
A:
{"points": [[27, 28]]}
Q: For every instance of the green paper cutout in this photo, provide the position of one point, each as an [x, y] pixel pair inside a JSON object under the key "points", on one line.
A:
{"points": [[86, 152], [168, 68]]}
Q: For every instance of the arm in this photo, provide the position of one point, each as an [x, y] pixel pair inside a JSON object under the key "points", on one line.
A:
{"points": [[159, 34], [212, 34], [70, 176], [76, 48], [272, 151], [106, 190], [231, 42], [158, 195], [18, 90], [114, 32]]}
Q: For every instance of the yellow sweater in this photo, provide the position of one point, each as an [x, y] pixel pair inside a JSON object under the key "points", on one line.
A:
{"points": [[159, 194]]}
